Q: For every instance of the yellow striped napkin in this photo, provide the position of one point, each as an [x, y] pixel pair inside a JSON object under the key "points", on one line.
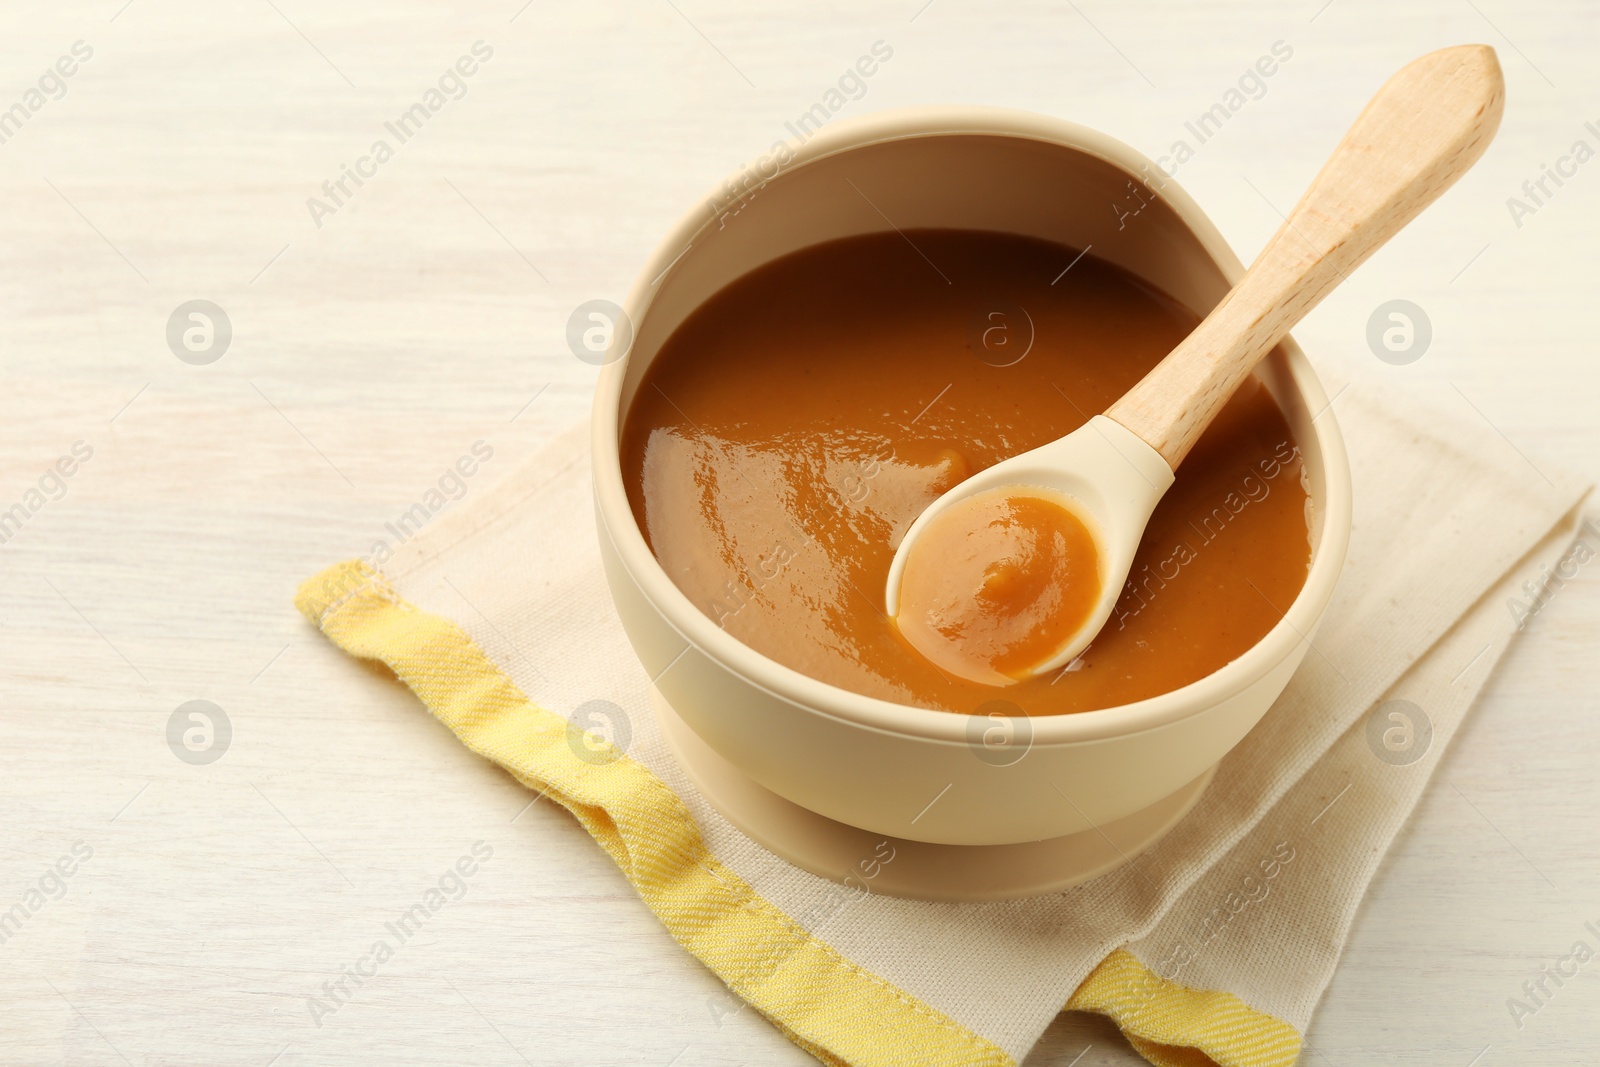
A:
{"points": [[1212, 947]]}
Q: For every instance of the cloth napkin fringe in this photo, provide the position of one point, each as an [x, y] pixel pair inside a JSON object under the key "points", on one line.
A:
{"points": [[1174, 1026]]}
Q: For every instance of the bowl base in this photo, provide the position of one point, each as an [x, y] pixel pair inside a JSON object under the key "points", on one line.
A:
{"points": [[919, 870]]}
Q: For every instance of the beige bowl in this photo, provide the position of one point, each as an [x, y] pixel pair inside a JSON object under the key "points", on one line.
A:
{"points": [[871, 763]]}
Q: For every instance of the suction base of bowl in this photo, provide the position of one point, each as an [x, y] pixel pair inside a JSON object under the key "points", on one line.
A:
{"points": [[919, 870]]}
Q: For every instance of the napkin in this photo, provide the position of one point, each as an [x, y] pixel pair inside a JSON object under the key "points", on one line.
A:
{"points": [[1213, 946]]}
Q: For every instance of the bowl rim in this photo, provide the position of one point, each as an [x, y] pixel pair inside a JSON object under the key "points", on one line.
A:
{"points": [[617, 522]]}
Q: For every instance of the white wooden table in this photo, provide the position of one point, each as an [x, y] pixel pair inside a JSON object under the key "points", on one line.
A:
{"points": [[428, 311]]}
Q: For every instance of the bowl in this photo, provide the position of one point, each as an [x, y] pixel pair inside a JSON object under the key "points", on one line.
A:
{"points": [[891, 769]]}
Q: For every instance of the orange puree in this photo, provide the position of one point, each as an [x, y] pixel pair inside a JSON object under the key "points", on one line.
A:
{"points": [[997, 583], [794, 426]]}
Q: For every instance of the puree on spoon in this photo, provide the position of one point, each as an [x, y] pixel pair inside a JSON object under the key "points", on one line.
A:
{"points": [[997, 583], [792, 428]]}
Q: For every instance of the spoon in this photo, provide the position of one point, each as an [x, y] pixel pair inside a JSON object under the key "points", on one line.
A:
{"points": [[1422, 131]]}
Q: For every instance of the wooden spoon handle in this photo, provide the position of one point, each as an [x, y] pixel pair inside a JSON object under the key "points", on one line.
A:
{"points": [[1421, 132]]}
